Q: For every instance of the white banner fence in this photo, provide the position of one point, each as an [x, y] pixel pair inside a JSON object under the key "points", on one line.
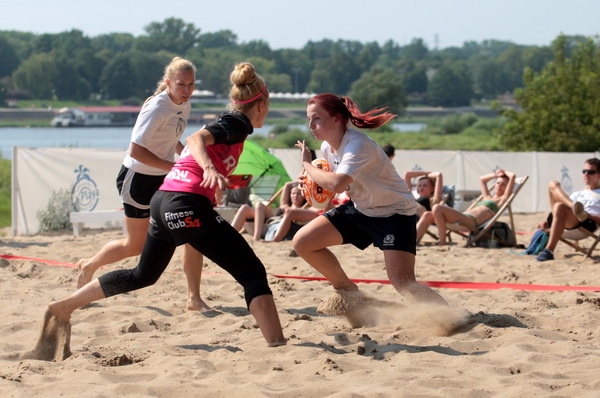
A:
{"points": [[88, 176]]}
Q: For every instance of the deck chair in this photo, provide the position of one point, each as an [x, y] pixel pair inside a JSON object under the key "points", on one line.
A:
{"points": [[235, 195], [237, 192], [572, 237], [484, 231], [265, 187]]}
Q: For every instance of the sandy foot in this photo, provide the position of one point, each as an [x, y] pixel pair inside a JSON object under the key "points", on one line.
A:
{"points": [[54, 341], [355, 306], [197, 304]]}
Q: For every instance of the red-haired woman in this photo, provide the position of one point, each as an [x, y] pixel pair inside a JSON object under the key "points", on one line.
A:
{"points": [[382, 208]]}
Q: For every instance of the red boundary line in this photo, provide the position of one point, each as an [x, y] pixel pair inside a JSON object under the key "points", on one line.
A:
{"points": [[463, 285], [439, 284]]}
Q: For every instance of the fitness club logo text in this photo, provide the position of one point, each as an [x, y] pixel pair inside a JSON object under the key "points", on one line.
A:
{"points": [[181, 219]]}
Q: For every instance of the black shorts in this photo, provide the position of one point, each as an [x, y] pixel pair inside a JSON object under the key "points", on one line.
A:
{"points": [[396, 232], [588, 224], [136, 191]]}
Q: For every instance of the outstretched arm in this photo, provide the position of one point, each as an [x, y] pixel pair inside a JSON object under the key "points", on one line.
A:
{"points": [[411, 174], [439, 186], [510, 186], [483, 183]]}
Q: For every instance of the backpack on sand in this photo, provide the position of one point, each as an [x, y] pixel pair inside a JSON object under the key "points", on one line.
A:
{"points": [[539, 240]]}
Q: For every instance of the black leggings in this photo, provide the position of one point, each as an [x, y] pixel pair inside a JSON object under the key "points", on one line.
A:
{"points": [[178, 218]]}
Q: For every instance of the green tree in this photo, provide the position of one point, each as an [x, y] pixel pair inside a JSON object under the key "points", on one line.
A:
{"points": [[296, 64], [148, 69], [256, 48], [37, 75], [3, 95], [90, 64], [488, 77], [379, 87], [223, 39], [560, 105], [173, 35], [512, 65], [117, 80], [451, 86], [213, 65], [115, 42], [415, 51], [69, 85], [21, 42], [368, 55], [414, 76], [334, 74], [9, 60]]}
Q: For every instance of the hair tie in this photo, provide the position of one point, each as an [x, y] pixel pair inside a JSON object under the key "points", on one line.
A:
{"points": [[257, 96]]}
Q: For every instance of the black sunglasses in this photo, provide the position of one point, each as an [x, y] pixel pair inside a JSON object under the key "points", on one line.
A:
{"points": [[590, 172]]}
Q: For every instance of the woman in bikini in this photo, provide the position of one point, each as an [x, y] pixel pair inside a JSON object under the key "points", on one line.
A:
{"points": [[485, 209]]}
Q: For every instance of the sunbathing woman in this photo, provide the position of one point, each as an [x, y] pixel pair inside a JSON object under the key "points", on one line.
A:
{"points": [[430, 186], [476, 216]]}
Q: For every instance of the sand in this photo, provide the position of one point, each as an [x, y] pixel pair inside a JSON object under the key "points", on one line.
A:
{"points": [[509, 342]]}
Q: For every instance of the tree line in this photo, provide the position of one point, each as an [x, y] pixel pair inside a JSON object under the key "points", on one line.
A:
{"points": [[72, 66]]}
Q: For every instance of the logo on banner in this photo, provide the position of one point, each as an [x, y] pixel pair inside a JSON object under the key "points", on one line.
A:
{"points": [[85, 194]]}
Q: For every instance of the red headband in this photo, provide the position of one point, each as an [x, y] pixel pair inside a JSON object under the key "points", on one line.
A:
{"points": [[257, 96]]}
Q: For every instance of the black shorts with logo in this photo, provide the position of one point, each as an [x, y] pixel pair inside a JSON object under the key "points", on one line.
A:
{"points": [[136, 191], [179, 217], [396, 232]]}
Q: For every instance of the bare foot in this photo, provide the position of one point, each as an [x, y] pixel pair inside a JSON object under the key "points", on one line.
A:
{"points": [[277, 343], [84, 275], [57, 310], [358, 309], [196, 303], [54, 340]]}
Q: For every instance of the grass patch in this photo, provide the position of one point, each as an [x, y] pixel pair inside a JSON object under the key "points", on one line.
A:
{"points": [[5, 187], [24, 123]]}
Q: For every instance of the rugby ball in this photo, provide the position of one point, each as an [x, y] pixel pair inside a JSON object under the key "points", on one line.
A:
{"points": [[316, 195]]}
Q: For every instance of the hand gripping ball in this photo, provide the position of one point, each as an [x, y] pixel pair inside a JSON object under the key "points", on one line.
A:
{"points": [[316, 195]]}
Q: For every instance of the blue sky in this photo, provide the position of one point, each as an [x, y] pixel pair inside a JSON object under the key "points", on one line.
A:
{"points": [[291, 24]]}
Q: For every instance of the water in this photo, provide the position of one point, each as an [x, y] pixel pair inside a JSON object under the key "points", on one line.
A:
{"points": [[76, 137], [105, 137]]}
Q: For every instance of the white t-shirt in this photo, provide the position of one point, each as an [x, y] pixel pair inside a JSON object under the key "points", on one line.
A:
{"points": [[158, 128], [377, 189], [590, 199]]}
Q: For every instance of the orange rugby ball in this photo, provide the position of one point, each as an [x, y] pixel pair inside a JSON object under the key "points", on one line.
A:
{"points": [[316, 195]]}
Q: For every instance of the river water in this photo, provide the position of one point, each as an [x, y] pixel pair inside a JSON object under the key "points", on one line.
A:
{"points": [[104, 137]]}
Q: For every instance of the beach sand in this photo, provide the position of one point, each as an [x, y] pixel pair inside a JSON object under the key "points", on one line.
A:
{"points": [[508, 342]]}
